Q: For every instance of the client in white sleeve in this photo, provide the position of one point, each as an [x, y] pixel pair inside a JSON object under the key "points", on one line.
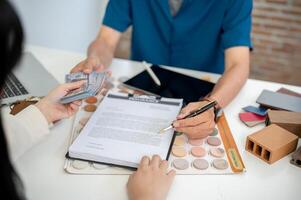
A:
{"points": [[32, 124], [21, 132]]}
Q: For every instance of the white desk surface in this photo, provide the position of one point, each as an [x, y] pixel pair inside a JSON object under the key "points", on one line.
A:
{"points": [[41, 168]]}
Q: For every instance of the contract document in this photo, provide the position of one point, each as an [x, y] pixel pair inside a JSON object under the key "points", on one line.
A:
{"points": [[124, 128]]}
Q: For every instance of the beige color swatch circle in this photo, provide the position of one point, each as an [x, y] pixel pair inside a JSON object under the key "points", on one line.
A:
{"points": [[180, 164], [198, 151], [179, 152], [217, 152], [179, 141], [100, 166], [196, 142], [78, 164], [220, 164], [200, 164]]}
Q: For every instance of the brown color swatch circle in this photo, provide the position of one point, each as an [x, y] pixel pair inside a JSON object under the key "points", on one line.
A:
{"points": [[90, 108], [91, 100]]}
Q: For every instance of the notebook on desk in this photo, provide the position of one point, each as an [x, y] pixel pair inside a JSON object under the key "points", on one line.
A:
{"points": [[124, 128]]}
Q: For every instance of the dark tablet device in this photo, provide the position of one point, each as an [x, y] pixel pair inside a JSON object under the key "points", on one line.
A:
{"points": [[173, 85]]}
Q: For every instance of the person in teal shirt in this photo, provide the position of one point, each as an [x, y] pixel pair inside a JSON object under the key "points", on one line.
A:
{"points": [[195, 37], [205, 35]]}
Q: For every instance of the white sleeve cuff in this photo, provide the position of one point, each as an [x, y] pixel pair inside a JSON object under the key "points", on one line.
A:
{"points": [[24, 130]]}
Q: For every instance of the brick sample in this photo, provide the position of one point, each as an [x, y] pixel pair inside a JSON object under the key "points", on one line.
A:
{"points": [[271, 143]]}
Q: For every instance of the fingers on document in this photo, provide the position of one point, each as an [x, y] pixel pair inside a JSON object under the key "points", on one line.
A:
{"points": [[144, 162], [155, 163]]}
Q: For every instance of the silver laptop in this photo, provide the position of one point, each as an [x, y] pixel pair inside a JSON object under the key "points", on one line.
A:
{"points": [[28, 79]]}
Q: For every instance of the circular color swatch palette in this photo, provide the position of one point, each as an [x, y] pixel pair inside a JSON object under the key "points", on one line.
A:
{"points": [[217, 152], [100, 166], [78, 164], [91, 100], [220, 164], [179, 152], [90, 108], [180, 164], [198, 151], [200, 164], [214, 141], [179, 141], [196, 142], [214, 133]]}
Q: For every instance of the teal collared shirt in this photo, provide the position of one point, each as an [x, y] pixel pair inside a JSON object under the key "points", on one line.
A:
{"points": [[196, 38]]}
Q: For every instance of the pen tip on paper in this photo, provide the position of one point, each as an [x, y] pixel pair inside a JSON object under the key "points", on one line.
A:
{"points": [[162, 131], [165, 129]]}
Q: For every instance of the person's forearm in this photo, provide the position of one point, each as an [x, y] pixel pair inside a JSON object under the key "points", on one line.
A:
{"points": [[229, 85], [103, 47], [100, 49], [24, 130]]}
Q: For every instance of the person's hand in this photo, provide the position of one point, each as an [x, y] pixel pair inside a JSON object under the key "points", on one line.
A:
{"points": [[88, 65], [151, 181], [196, 127], [52, 109]]}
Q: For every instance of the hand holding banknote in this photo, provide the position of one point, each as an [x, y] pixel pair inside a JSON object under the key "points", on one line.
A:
{"points": [[93, 84], [52, 109], [89, 65]]}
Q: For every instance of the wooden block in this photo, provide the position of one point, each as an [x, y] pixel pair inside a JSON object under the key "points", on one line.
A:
{"points": [[271, 143], [290, 121]]}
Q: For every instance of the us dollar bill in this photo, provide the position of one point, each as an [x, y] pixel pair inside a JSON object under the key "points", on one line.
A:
{"points": [[94, 83]]}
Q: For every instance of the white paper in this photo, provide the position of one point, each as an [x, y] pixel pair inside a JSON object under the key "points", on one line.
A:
{"points": [[123, 129]]}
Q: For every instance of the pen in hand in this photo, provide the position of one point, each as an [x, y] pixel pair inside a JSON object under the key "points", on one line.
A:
{"points": [[193, 114]]}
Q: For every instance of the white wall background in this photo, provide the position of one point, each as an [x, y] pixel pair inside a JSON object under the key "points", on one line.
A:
{"points": [[61, 24]]}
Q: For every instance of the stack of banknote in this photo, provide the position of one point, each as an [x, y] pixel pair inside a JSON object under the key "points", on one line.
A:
{"points": [[93, 84]]}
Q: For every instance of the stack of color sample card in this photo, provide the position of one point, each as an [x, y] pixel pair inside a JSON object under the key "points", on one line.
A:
{"points": [[253, 116]]}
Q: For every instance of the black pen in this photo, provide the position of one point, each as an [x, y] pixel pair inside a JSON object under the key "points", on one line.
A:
{"points": [[194, 113]]}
